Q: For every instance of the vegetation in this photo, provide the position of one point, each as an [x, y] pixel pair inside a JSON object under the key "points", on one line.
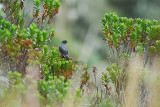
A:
{"points": [[128, 39], [23, 45], [39, 76]]}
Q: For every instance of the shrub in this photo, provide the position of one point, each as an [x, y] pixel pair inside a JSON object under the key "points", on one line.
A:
{"points": [[126, 39], [23, 44]]}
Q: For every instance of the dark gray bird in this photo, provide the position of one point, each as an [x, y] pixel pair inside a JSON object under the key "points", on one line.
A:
{"points": [[63, 50]]}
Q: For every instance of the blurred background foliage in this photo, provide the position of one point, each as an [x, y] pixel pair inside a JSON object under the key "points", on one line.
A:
{"points": [[79, 22]]}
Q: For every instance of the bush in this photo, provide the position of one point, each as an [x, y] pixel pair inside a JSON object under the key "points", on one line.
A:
{"points": [[24, 44], [128, 39]]}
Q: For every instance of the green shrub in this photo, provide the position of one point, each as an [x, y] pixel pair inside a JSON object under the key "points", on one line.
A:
{"points": [[23, 44], [126, 39], [54, 90]]}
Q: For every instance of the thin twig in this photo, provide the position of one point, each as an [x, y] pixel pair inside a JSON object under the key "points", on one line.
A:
{"points": [[10, 6]]}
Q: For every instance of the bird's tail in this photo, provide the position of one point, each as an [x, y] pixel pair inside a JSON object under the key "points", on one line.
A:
{"points": [[67, 57]]}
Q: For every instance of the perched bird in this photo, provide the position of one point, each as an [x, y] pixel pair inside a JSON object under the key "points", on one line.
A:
{"points": [[63, 49]]}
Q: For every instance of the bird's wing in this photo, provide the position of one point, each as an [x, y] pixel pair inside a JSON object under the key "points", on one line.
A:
{"points": [[63, 49]]}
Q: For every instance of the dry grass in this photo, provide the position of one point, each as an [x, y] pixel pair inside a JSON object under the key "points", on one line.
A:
{"points": [[133, 93], [132, 89]]}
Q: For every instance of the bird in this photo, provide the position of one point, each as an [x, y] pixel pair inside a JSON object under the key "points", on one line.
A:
{"points": [[63, 50]]}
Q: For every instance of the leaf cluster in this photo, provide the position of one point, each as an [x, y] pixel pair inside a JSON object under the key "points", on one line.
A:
{"points": [[54, 90], [136, 33]]}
